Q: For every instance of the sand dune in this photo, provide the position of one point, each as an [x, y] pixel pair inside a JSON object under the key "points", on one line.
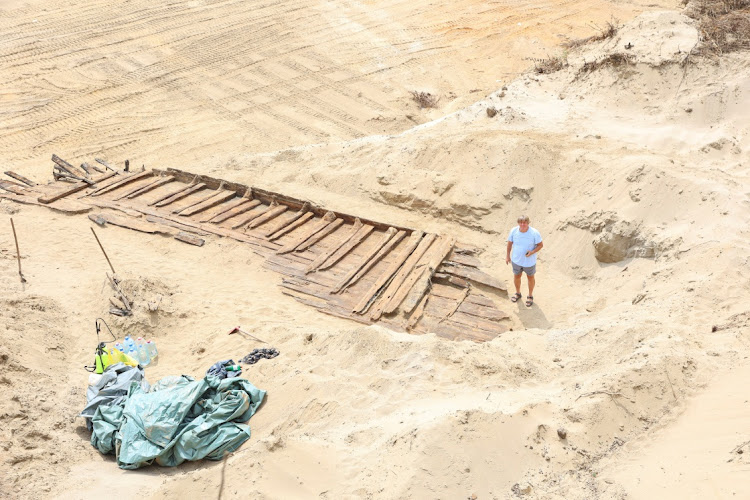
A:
{"points": [[634, 170]]}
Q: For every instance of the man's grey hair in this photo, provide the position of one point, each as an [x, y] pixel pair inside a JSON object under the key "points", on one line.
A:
{"points": [[523, 218]]}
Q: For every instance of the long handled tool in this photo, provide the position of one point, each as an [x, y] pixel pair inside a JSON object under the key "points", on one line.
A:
{"points": [[18, 252], [238, 329]]}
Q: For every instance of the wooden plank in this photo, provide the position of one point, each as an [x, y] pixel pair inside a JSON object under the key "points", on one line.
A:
{"points": [[234, 207], [136, 192], [209, 196], [20, 178], [103, 162], [472, 274], [63, 206], [369, 297], [122, 182], [488, 313], [129, 223], [325, 308], [179, 225], [351, 231], [477, 323], [459, 302], [282, 224], [252, 216], [466, 260], [269, 215], [78, 186], [177, 195], [67, 167], [315, 238], [355, 240], [189, 238], [418, 313], [291, 227], [430, 261], [371, 258], [322, 223], [13, 187], [92, 167], [415, 293], [398, 279], [217, 199]]}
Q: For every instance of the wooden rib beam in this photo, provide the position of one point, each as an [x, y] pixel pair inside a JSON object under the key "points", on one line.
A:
{"points": [[322, 223], [418, 313], [177, 195], [121, 182], [20, 178], [281, 225], [420, 279], [288, 228], [401, 276], [252, 216], [355, 240], [14, 188], [472, 274], [217, 199], [234, 207], [383, 247], [79, 186], [328, 229], [136, 192], [269, 215], [67, 167], [325, 255], [369, 297], [211, 195]]}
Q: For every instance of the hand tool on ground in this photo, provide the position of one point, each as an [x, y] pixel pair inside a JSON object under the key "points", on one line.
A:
{"points": [[238, 329]]}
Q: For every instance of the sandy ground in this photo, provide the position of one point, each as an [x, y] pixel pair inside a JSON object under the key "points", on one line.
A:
{"points": [[641, 360]]}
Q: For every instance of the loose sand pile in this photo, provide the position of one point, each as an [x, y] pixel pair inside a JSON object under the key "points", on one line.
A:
{"points": [[626, 377]]}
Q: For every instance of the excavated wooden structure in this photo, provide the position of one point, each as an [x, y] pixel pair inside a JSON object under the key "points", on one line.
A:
{"points": [[351, 267]]}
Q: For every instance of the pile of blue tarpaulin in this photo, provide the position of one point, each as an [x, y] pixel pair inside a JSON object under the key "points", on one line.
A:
{"points": [[176, 419]]}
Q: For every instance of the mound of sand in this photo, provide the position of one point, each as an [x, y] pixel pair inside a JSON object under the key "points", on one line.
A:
{"points": [[632, 161]]}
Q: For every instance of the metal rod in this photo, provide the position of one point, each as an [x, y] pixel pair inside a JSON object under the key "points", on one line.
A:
{"points": [[105, 253], [18, 252]]}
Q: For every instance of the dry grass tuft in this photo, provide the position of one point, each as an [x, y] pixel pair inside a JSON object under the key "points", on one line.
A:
{"points": [[550, 64], [724, 25], [613, 60], [425, 99], [608, 31]]}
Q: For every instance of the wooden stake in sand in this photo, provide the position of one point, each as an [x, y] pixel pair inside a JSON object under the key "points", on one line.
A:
{"points": [[18, 252], [105, 253]]}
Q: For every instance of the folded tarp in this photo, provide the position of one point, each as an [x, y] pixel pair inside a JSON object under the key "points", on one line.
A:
{"points": [[178, 419]]}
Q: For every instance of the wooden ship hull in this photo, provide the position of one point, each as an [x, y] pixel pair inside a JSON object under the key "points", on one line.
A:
{"points": [[352, 267]]}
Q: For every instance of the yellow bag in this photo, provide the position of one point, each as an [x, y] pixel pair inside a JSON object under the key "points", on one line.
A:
{"points": [[116, 356]]}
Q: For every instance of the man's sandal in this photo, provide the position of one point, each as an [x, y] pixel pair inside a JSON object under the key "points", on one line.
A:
{"points": [[529, 301], [515, 297]]}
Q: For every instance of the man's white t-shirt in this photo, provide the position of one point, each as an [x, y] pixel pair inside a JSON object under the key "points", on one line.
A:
{"points": [[522, 243]]}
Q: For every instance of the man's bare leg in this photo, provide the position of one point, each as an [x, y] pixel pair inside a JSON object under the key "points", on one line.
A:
{"points": [[517, 282], [532, 282]]}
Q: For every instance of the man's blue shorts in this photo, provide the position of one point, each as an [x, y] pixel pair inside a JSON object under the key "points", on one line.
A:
{"points": [[530, 271]]}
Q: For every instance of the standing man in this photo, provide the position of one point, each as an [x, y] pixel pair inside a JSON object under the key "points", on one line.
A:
{"points": [[524, 242]]}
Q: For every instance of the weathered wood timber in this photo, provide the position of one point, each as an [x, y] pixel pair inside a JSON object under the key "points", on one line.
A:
{"points": [[401, 276], [138, 191], [289, 227], [189, 238], [79, 186], [234, 207], [371, 258], [177, 195], [332, 249], [269, 215], [67, 167], [281, 225], [472, 274], [20, 178], [218, 199], [369, 297], [121, 182], [355, 240], [315, 238]]}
